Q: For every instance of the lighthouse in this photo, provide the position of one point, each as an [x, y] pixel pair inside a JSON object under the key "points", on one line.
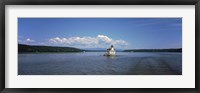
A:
{"points": [[110, 51]]}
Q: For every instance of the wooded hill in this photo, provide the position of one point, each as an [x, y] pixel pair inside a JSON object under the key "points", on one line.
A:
{"points": [[30, 48]]}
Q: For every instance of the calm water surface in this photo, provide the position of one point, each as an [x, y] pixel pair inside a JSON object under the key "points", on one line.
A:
{"points": [[94, 63]]}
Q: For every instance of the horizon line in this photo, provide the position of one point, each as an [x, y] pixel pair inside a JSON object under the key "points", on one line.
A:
{"points": [[102, 48]]}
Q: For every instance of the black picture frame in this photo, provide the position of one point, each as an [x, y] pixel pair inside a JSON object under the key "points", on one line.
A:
{"points": [[3, 3]]}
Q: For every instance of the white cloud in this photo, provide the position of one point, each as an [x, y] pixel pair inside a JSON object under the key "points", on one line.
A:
{"points": [[26, 41], [29, 40], [100, 41], [104, 38]]}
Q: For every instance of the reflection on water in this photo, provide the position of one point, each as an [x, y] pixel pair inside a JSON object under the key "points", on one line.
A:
{"points": [[94, 63], [110, 57]]}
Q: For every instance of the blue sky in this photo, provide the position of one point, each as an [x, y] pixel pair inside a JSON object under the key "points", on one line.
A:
{"points": [[123, 33]]}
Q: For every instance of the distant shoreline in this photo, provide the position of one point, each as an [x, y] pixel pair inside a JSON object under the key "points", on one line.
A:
{"points": [[154, 50], [22, 49]]}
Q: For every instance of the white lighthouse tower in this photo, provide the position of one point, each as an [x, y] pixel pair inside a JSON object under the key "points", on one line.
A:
{"points": [[110, 51]]}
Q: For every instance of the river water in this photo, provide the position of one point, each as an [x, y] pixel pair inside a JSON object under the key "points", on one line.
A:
{"points": [[94, 63]]}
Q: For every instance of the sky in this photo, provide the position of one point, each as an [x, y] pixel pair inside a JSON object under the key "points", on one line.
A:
{"points": [[123, 33]]}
